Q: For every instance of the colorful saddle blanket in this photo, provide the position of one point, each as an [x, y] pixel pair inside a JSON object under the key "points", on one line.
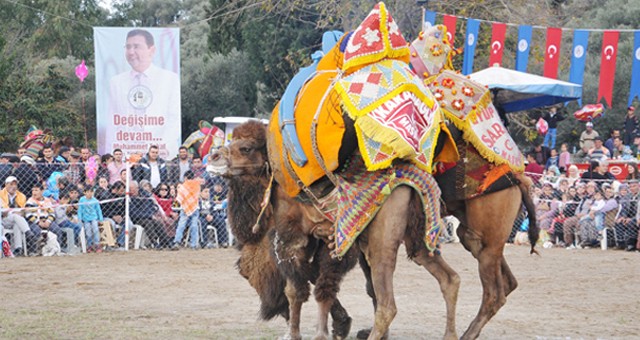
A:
{"points": [[362, 193], [468, 105]]}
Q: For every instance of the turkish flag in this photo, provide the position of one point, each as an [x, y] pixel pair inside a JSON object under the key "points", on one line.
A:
{"points": [[552, 54], [498, 31], [608, 65], [450, 22]]}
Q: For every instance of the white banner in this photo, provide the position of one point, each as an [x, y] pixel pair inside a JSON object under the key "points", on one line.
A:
{"points": [[138, 89]]}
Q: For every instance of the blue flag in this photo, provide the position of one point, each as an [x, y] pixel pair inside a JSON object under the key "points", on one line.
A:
{"points": [[578, 57], [470, 45], [429, 19], [524, 46], [635, 69]]}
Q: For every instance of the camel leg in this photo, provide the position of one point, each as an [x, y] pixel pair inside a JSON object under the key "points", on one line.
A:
{"points": [[449, 282], [297, 293], [510, 282], [383, 238], [341, 321], [366, 270], [485, 238]]}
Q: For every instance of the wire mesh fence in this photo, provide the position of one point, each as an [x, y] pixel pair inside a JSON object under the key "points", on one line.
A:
{"points": [[73, 207], [67, 208]]}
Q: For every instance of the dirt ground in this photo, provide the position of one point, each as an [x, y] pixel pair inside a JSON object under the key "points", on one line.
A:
{"points": [[579, 294]]}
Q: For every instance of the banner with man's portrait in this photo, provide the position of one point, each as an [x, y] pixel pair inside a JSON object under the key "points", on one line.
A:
{"points": [[138, 89]]}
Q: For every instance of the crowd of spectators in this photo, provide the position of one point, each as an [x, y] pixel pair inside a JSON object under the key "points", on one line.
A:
{"points": [[77, 190], [576, 208]]}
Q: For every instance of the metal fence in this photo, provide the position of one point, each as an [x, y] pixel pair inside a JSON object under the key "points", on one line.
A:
{"points": [[100, 210], [126, 207]]}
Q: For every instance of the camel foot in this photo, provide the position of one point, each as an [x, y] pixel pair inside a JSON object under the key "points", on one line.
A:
{"points": [[364, 334], [288, 336], [341, 328]]}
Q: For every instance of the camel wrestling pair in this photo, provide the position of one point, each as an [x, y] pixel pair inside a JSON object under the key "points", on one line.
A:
{"points": [[365, 151]]}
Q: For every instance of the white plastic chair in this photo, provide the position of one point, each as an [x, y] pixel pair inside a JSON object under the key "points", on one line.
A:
{"points": [[24, 240], [139, 231], [71, 247]]}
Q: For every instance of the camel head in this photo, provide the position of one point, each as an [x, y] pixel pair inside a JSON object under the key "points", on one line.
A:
{"points": [[246, 155]]}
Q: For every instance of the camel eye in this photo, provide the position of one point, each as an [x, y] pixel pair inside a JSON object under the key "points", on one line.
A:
{"points": [[245, 149]]}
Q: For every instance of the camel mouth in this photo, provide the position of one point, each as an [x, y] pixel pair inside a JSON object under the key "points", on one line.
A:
{"points": [[218, 169]]}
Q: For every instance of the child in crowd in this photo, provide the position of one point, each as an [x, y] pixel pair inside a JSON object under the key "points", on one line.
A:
{"points": [[565, 158], [62, 217], [188, 197], [553, 160], [206, 215], [219, 199], [90, 214]]}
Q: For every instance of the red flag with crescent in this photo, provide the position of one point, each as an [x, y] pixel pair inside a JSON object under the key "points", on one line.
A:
{"points": [[608, 65], [552, 54], [498, 31], [450, 22]]}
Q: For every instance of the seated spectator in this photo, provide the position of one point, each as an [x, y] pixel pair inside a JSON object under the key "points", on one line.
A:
{"points": [[144, 211], [219, 199], [599, 151], [41, 216], [573, 174], [625, 221], [114, 211], [618, 148], [594, 222], [62, 211], [146, 186], [103, 169], [11, 198], [102, 192], [567, 208], [547, 207], [53, 190], [165, 201], [587, 140], [571, 223], [594, 173]]}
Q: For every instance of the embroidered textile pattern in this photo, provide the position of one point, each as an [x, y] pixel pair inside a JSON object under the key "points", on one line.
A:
{"points": [[362, 193], [394, 114]]}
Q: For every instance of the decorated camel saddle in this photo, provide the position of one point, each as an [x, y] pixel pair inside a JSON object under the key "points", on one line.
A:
{"points": [[360, 117], [487, 151]]}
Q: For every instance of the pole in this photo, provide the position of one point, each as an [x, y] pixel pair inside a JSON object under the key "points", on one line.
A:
{"points": [[84, 120], [127, 204]]}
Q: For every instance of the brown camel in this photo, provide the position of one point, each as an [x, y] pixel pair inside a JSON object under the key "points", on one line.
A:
{"points": [[401, 219], [485, 225]]}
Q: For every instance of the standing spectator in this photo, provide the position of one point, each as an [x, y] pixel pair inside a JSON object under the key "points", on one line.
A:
{"points": [[47, 164], [85, 154], [5, 166], [116, 167], [102, 192], [552, 117], [64, 154], [533, 169], [630, 125], [541, 153], [180, 165], [553, 160], [587, 138], [103, 170], [206, 215], [199, 169], [11, 198], [565, 158], [188, 197], [75, 172], [609, 143], [26, 174], [90, 214], [152, 168]]}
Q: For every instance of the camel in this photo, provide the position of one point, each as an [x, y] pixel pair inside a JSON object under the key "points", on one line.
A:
{"points": [[485, 225], [400, 220]]}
